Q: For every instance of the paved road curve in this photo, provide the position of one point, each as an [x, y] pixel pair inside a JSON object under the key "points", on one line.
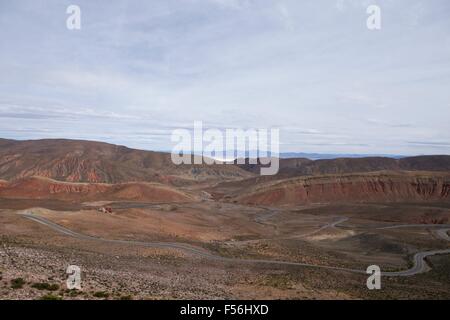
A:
{"points": [[419, 266], [173, 245]]}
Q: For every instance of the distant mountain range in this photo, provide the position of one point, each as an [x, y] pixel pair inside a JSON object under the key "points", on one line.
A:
{"points": [[318, 156], [89, 161], [311, 156], [53, 169]]}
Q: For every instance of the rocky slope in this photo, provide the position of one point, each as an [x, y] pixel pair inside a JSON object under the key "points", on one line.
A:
{"points": [[365, 187], [87, 161], [44, 188], [301, 166]]}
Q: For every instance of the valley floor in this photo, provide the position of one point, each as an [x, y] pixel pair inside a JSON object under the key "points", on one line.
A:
{"points": [[34, 257]]}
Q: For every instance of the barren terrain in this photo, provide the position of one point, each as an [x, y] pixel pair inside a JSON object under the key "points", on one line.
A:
{"points": [[298, 237]]}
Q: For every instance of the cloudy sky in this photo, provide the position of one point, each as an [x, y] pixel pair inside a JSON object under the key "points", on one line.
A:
{"points": [[139, 69]]}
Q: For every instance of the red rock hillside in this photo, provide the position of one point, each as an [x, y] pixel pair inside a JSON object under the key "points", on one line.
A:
{"points": [[44, 188], [381, 186], [89, 161]]}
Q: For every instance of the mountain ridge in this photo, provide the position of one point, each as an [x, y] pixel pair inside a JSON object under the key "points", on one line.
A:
{"points": [[100, 162]]}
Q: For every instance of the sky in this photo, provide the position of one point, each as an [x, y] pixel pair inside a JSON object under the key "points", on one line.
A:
{"points": [[137, 70]]}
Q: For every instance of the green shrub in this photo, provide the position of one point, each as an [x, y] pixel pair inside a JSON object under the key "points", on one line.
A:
{"points": [[45, 286], [101, 294], [50, 297], [73, 293], [17, 283]]}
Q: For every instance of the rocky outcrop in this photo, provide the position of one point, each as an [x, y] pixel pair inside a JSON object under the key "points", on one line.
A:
{"points": [[370, 187]]}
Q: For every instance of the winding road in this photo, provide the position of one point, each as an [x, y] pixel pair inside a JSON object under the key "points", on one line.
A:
{"points": [[419, 263]]}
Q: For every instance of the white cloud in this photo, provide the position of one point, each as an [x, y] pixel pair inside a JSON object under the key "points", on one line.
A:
{"points": [[309, 68]]}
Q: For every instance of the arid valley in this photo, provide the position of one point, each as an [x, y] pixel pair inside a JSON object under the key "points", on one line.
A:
{"points": [[140, 227]]}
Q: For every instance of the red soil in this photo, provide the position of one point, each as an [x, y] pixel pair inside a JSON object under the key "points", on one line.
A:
{"points": [[44, 188]]}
